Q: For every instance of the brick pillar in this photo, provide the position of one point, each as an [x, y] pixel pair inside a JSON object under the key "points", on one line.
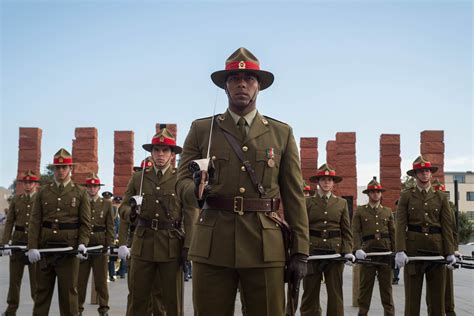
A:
{"points": [[84, 153], [390, 171], [173, 128], [432, 148], [346, 165], [309, 158], [331, 158], [29, 152], [123, 160]]}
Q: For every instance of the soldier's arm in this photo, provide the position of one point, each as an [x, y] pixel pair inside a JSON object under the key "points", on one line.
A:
{"points": [[357, 230], [346, 232], [84, 219], [455, 227], [10, 222], [391, 230], [109, 225], [291, 191], [35, 222], [402, 219], [124, 209], [447, 224], [123, 232], [190, 216]]}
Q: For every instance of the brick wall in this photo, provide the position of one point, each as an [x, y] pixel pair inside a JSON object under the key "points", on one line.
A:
{"points": [[390, 171], [432, 148], [123, 160], [309, 158], [29, 152], [346, 165], [84, 153]]}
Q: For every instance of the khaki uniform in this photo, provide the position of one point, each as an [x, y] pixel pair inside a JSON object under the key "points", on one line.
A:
{"points": [[18, 217], [53, 210], [156, 251], [429, 213], [228, 248], [374, 230], [102, 233], [329, 217]]}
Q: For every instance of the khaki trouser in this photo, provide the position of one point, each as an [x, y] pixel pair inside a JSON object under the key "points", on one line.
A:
{"points": [[448, 297], [367, 280], [435, 281], [142, 275], [66, 270], [310, 305], [17, 266], [215, 289], [98, 265]]}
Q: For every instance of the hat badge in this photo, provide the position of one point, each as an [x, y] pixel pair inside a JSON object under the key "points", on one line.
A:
{"points": [[92, 181], [422, 164], [61, 159], [241, 64], [326, 172], [27, 178], [162, 139]]}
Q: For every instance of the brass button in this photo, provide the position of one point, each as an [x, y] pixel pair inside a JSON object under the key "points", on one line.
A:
{"points": [[172, 194], [325, 240], [325, 222], [26, 223], [242, 190], [426, 214], [56, 220], [214, 158], [325, 212], [93, 211], [55, 232], [325, 230], [157, 215], [245, 148], [157, 201], [92, 217], [201, 220], [28, 205], [376, 223], [27, 214], [242, 168], [59, 199], [427, 224], [92, 225], [158, 188], [426, 234], [58, 209], [376, 216], [426, 203], [377, 230], [92, 233]]}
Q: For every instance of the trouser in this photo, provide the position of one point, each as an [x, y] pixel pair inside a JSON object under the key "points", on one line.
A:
{"points": [[142, 275], [98, 264], [435, 281], [215, 289], [111, 264], [66, 270], [17, 267], [367, 280], [448, 296], [310, 304]]}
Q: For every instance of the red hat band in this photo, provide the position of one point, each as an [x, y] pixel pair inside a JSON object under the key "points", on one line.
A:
{"points": [[94, 181], [239, 65], [374, 187], [421, 165], [61, 160], [323, 173], [307, 188], [30, 178], [163, 141]]}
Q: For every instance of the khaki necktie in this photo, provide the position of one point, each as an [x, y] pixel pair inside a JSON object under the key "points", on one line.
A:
{"points": [[159, 174], [61, 187], [241, 126]]}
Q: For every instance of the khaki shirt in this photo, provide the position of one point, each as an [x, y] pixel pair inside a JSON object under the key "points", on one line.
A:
{"points": [[374, 222], [18, 216], [101, 219]]}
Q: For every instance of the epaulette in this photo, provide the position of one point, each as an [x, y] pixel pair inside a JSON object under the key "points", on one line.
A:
{"points": [[271, 118], [206, 118]]}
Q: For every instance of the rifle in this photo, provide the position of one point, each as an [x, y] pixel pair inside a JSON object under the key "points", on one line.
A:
{"points": [[331, 255], [433, 258], [12, 248]]}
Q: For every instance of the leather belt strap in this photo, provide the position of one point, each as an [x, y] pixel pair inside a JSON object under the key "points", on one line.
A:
{"points": [[241, 205], [98, 229], [424, 229], [156, 224], [376, 236], [19, 228], [61, 226], [323, 234]]}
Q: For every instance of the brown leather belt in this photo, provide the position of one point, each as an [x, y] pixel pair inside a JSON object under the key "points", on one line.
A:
{"points": [[424, 229], [19, 228], [61, 226], [241, 205], [323, 234], [98, 229], [376, 236], [158, 224]]}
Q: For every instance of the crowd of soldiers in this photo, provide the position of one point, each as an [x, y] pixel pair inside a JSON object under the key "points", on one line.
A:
{"points": [[221, 209]]}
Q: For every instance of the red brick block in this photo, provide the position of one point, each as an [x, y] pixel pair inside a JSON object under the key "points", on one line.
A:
{"points": [[309, 153], [346, 149], [346, 171], [390, 173], [432, 136], [30, 132], [124, 136], [123, 169], [29, 155], [391, 183], [390, 161], [345, 160], [308, 142], [85, 132], [435, 159], [79, 155], [85, 144], [389, 139], [86, 167], [29, 142], [121, 181], [123, 158], [432, 148], [349, 183], [346, 137], [390, 150], [25, 165], [119, 191], [308, 172], [331, 145], [309, 164], [123, 147]]}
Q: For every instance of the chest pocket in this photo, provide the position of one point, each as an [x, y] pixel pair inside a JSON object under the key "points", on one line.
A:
{"points": [[267, 172], [71, 203], [221, 165], [168, 202]]}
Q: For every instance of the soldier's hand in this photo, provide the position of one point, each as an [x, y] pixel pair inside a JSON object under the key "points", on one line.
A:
{"points": [[6, 252], [33, 255], [82, 252], [401, 259], [360, 254], [123, 252], [350, 259], [452, 260], [183, 257], [458, 256], [297, 268]]}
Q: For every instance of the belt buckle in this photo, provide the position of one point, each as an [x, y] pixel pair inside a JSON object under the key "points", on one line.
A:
{"points": [[324, 234], [154, 224], [239, 205], [377, 236], [425, 229]]}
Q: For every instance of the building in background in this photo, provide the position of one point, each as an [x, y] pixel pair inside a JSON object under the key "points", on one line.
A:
{"points": [[465, 188]]}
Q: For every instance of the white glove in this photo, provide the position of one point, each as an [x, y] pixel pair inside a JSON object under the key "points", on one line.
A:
{"points": [[6, 252], [350, 259], [82, 252], [458, 256], [360, 254], [33, 255], [401, 259], [123, 252], [452, 259]]}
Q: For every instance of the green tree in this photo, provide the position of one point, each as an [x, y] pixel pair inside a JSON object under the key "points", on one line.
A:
{"points": [[408, 183], [465, 228]]}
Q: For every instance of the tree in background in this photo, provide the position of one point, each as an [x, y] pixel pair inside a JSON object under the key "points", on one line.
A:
{"points": [[46, 177]]}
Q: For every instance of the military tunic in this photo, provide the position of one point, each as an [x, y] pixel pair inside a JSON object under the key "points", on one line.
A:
{"points": [[374, 231], [228, 248], [102, 233], [424, 222], [330, 230], [18, 218], [61, 217]]}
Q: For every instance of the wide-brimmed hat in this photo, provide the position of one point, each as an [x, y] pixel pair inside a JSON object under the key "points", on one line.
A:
{"points": [[438, 185], [325, 171], [163, 138], [29, 176], [62, 158], [146, 163], [307, 188], [107, 194], [117, 199], [93, 179], [421, 163], [373, 186], [242, 60]]}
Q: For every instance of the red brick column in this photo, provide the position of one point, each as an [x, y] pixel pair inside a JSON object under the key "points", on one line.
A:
{"points": [[123, 160], [432, 148], [173, 128], [84, 153], [29, 152], [331, 158], [390, 171], [309, 158], [346, 165]]}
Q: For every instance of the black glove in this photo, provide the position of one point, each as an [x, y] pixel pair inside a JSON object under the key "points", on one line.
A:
{"points": [[133, 210], [297, 268], [183, 257]]}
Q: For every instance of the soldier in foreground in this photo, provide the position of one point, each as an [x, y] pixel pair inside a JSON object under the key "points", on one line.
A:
{"points": [[330, 231], [102, 234], [238, 237], [61, 217], [374, 231], [18, 218], [424, 224]]}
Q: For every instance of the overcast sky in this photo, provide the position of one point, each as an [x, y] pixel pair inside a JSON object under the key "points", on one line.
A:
{"points": [[371, 67]]}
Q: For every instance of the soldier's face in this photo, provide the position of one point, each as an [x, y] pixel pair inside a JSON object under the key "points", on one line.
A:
{"points": [[29, 186], [375, 196], [92, 190], [161, 155], [326, 184], [242, 90], [423, 176], [61, 173]]}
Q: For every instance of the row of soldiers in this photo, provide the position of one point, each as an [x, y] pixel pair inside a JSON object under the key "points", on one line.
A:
{"points": [[220, 209]]}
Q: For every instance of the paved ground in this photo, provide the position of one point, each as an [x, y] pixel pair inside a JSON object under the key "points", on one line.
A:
{"points": [[463, 279]]}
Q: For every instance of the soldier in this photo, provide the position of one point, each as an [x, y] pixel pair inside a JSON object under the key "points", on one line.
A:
{"points": [[330, 231], [158, 238], [107, 195], [308, 192], [374, 231], [18, 217], [236, 239], [102, 233], [61, 217], [424, 223]]}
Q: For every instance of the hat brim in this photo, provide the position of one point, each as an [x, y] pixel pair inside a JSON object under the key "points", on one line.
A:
{"points": [[22, 180], [412, 172], [175, 149], [315, 179], [62, 164], [367, 191], [265, 78], [99, 185], [311, 192]]}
